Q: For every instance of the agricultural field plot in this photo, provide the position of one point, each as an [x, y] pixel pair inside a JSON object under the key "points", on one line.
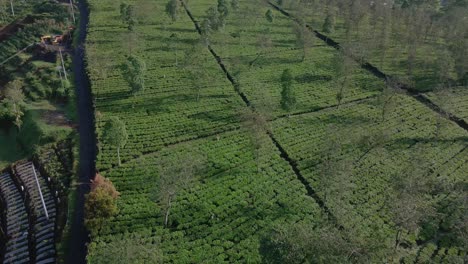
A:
{"points": [[344, 165], [256, 52], [236, 198], [368, 153], [453, 100], [173, 107], [403, 43]]}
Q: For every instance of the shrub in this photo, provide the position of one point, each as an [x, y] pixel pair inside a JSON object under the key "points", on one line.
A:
{"points": [[100, 203]]}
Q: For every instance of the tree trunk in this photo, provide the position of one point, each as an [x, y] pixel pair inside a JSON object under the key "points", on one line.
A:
{"points": [[17, 116], [397, 241], [166, 216], [72, 11], [176, 60], [12, 8], [303, 53], [118, 155], [63, 64], [384, 107]]}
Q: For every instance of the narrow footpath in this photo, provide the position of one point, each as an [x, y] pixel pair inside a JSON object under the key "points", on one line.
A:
{"points": [[79, 236]]}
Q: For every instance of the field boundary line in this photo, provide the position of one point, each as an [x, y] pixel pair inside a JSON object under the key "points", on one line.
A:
{"points": [[319, 109], [283, 154], [410, 91], [166, 145]]}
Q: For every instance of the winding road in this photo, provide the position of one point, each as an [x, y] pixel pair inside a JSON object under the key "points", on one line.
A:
{"points": [[79, 236]]}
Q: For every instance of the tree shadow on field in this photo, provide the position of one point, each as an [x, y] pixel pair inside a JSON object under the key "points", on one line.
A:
{"points": [[341, 120], [108, 42], [221, 116], [406, 141], [150, 105], [112, 96], [287, 43], [255, 207], [266, 62], [170, 29], [164, 48], [309, 78], [178, 40]]}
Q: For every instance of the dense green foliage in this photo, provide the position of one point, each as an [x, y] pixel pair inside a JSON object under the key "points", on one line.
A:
{"points": [[206, 179], [423, 43], [288, 99], [31, 77], [115, 134], [134, 71]]}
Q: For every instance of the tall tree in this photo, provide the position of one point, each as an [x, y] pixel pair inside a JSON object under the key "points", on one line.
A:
{"points": [[235, 5], [329, 23], [269, 16], [12, 8], [175, 175], [305, 243], [388, 97], [344, 69], [304, 39], [100, 203], [174, 45], [223, 9], [134, 73], [264, 43], [257, 126], [127, 14], [172, 9], [14, 95], [288, 99], [335, 175], [213, 21], [409, 204], [193, 65], [115, 134]]}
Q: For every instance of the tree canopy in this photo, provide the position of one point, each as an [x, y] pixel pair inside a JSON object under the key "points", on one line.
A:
{"points": [[115, 134]]}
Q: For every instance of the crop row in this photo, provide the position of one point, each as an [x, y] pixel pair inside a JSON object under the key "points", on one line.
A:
{"points": [[370, 152], [391, 38], [235, 200], [256, 51], [453, 100], [174, 105]]}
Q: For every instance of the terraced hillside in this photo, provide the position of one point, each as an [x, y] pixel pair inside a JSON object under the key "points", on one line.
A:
{"points": [[34, 206], [43, 208], [342, 158], [17, 244], [453, 100]]}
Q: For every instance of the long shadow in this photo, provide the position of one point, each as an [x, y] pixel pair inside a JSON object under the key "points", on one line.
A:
{"points": [[411, 91], [181, 30], [409, 140], [283, 154], [310, 77]]}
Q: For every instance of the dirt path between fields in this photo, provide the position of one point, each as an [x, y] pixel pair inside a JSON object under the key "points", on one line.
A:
{"points": [[79, 236]]}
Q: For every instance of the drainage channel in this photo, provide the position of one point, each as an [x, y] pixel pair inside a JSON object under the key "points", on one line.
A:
{"points": [[283, 154], [410, 91]]}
